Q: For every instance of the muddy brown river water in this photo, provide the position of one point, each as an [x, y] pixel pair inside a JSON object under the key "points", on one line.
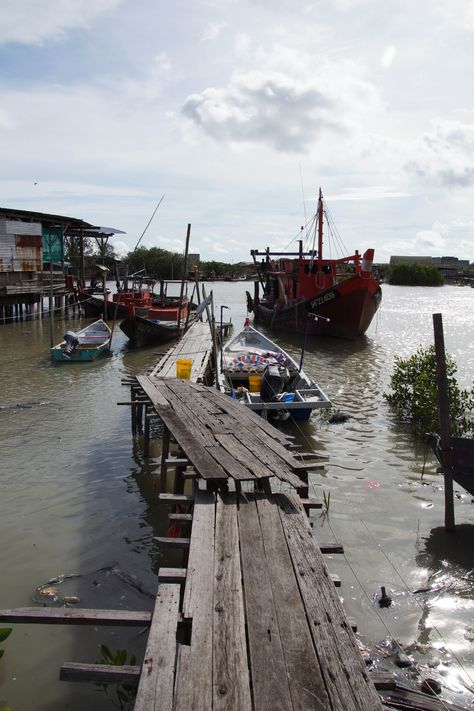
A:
{"points": [[77, 501]]}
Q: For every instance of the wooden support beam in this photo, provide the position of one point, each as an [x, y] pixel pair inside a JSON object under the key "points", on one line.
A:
{"points": [[181, 517], [172, 575], [172, 542], [102, 673], [76, 616], [180, 499], [191, 474], [177, 462]]}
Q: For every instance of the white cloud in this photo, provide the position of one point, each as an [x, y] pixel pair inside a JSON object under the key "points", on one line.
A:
{"points": [[388, 56], [288, 101], [445, 154], [212, 31], [33, 22]]}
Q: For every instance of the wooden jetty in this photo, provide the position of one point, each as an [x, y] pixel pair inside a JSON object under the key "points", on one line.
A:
{"points": [[197, 345], [252, 620]]}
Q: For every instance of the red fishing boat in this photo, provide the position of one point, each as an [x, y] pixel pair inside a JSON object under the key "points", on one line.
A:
{"points": [[300, 286], [164, 320], [140, 294]]}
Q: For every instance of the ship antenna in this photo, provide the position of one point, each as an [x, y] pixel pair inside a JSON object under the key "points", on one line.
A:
{"points": [[304, 201]]}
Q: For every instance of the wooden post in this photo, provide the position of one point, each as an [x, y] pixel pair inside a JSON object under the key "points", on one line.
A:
{"points": [[51, 300], [133, 410], [183, 280], [146, 435], [196, 278], [164, 456], [445, 429]]}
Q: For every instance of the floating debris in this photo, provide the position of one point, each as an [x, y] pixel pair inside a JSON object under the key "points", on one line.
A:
{"points": [[384, 600]]}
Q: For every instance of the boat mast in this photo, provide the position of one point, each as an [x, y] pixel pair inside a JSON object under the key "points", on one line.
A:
{"points": [[320, 226]]}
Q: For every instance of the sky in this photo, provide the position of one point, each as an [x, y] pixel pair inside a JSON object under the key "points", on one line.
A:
{"points": [[237, 113]]}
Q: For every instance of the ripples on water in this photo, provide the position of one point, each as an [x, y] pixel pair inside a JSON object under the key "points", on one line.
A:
{"points": [[77, 498]]}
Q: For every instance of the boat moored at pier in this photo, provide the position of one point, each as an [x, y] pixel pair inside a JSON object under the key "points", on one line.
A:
{"points": [[344, 291]]}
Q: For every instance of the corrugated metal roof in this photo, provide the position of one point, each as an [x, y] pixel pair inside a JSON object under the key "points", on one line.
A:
{"points": [[8, 212]]}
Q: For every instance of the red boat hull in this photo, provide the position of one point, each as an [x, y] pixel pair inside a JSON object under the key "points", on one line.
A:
{"points": [[350, 307]]}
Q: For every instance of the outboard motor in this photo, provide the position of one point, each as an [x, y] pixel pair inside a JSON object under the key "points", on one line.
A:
{"points": [[272, 383], [72, 341]]}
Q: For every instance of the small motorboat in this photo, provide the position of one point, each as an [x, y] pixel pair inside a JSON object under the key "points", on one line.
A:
{"points": [[85, 345], [268, 380]]}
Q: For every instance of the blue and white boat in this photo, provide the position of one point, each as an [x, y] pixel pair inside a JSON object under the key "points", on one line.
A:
{"points": [[85, 345], [265, 378]]}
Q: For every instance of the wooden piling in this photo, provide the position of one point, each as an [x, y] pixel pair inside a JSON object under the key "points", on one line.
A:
{"points": [[444, 421]]}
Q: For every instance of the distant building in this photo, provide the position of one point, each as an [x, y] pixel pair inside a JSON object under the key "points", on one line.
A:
{"points": [[449, 262], [410, 260], [448, 266]]}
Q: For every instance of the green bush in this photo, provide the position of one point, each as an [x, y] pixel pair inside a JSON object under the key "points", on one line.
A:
{"points": [[415, 397], [414, 275]]}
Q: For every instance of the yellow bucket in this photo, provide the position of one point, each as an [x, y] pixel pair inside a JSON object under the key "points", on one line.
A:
{"points": [[183, 368], [255, 382]]}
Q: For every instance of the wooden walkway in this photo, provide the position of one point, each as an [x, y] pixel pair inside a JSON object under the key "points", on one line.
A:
{"points": [[266, 629], [252, 621], [195, 344], [221, 438]]}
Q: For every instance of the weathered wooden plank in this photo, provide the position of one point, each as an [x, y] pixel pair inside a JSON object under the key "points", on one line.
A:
{"points": [[242, 415], [189, 437], [235, 468], [270, 458], [172, 575], [346, 677], [232, 444], [99, 673], [307, 687], [76, 616], [183, 517], [155, 689], [230, 674], [194, 672], [180, 499], [172, 542], [207, 467], [177, 461], [270, 682]]}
